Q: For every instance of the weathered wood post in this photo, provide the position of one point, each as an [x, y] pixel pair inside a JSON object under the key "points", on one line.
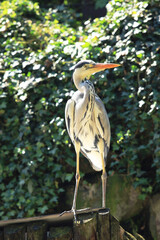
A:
{"points": [[14, 232], [37, 231], [85, 226], [60, 233], [103, 224], [1, 235]]}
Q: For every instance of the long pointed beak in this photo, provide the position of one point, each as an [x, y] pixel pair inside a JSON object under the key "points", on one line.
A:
{"points": [[102, 66]]}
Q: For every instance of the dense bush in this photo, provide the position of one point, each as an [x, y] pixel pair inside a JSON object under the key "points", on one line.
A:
{"points": [[38, 47]]}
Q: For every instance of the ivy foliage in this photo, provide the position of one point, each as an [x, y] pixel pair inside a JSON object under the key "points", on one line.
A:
{"points": [[38, 48]]}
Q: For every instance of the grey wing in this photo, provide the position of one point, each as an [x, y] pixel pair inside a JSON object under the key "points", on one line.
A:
{"points": [[69, 117], [102, 123]]}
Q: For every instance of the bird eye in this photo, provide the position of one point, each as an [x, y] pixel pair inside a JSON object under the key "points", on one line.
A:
{"points": [[87, 66]]}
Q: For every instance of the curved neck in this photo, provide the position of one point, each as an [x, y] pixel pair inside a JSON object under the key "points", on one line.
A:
{"points": [[82, 84], [78, 82], [87, 88]]}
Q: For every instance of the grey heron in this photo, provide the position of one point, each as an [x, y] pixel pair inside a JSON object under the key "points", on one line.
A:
{"points": [[87, 122]]}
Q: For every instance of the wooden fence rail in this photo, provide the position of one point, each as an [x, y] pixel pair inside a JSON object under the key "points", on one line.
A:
{"points": [[93, 224]]}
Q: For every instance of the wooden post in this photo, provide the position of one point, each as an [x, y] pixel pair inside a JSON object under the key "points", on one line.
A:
{"points": [[85, 226], [14, 232], [104, 225], [37, 231], [115, 228], [1, 235], [60, 233]]}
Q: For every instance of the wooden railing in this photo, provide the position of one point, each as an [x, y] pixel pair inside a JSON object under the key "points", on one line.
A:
{"points": [[93, 224]]}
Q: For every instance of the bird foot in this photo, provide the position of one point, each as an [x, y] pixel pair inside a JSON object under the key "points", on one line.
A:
{"points": [[69, 211], [74, 211]]}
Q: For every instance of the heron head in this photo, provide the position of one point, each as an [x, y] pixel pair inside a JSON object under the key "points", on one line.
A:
{"points": [[84, 69]]}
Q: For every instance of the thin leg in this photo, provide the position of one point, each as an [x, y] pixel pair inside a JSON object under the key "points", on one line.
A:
{"points": [[104, 182], [77, 149]]}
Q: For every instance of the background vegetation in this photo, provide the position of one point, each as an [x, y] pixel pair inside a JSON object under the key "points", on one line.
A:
{"points": [[37, 49]]}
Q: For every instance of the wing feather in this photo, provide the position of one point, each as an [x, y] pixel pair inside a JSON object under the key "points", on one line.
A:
{"points": [[69, 117], [102, 121]]}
